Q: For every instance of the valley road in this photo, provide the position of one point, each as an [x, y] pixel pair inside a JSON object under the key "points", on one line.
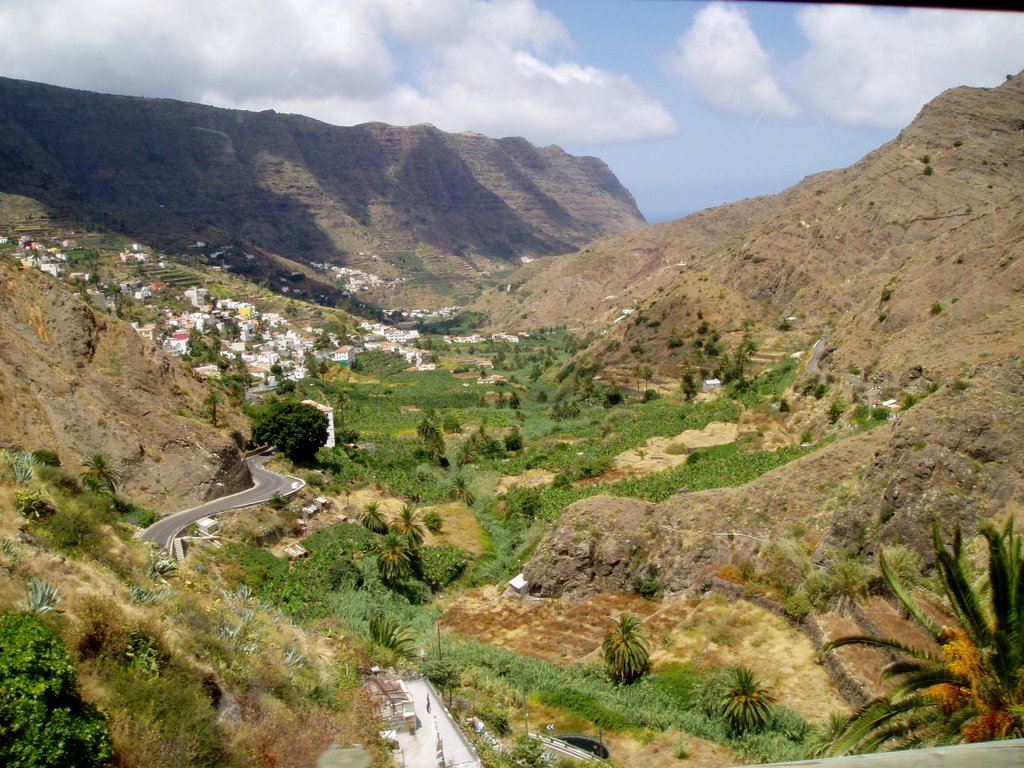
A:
{"points": [[267, 484]]}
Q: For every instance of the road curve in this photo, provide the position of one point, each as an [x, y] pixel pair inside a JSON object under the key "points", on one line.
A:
{"points": [[267, 484]]}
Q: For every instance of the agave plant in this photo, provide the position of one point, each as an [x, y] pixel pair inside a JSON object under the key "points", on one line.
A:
{"points": [[973, 690], [626, 650], [22, 465], [746, 705], [42, 595], [144, 595]]}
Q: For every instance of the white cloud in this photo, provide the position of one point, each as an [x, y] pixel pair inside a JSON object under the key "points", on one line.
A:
{"points": [[874, 66], [495, 67], [722, 59]]}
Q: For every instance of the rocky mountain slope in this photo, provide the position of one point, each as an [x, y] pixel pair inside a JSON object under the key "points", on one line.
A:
{"points": [[170, 172], [912, 254], [909, 263], [76, 382]]}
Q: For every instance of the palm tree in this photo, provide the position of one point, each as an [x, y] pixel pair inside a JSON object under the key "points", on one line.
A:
{"points": [[465, 454], [341, 404], [407, 525], [100, 476], [462, 492], [972, 690], [746, 706], [373, 518], [392, 635], [393, 561], [626, 650]]}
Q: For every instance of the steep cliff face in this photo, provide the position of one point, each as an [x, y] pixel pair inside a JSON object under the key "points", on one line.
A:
{"points": [[79, 383], [168, 171]]}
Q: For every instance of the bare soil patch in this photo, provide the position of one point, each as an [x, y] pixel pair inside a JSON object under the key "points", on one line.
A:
{"points": [[459, 528], [660, 453], [553, 630], [727, 632], [531, 478]]}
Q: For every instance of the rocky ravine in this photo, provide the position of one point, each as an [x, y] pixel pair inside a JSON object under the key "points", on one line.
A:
{"points": [[953, 458], [78, 382]]}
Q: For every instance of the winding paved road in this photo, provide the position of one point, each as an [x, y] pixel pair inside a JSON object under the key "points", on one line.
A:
{"points": [[267, 483]]}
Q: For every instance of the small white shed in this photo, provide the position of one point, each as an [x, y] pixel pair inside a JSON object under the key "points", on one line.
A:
{"points": [[519, 584], [207, 526]]}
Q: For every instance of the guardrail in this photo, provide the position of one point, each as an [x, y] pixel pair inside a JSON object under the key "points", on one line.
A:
{"points": [[564, 747]]}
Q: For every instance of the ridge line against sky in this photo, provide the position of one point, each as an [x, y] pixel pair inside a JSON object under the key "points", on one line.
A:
{"points": [[691, 104]]}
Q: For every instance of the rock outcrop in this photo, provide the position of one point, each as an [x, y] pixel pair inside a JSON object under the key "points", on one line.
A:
{"points": [[76, 382]]}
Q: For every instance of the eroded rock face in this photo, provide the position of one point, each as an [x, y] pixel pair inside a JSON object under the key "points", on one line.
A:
{"points": [[600, 544], [78, 383]]}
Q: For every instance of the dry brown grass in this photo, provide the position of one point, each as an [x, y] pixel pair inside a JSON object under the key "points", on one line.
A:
{"points": [[459, 528], [712, 631]]}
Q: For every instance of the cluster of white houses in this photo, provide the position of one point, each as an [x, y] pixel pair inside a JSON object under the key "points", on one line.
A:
{"points": [[264, 340]]}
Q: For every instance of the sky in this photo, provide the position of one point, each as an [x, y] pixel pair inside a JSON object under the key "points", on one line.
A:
{"points": [[691, 104]]}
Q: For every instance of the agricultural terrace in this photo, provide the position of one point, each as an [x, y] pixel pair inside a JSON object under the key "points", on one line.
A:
{"points": [[449, 447]]}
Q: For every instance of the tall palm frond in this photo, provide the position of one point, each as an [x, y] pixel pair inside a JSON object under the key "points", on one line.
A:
{"points": [[974, 690], [393, 561], [100, 476], [408, 525]]}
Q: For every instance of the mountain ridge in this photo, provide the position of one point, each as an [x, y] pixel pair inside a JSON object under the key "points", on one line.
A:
{"points": [[168, 172]]}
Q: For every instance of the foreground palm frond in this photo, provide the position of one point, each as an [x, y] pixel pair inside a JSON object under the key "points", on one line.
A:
{"points": [[974, 690]]}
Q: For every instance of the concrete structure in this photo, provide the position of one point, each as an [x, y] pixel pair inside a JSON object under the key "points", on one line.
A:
{"points": [[990, 754], [437, 740], [519, 585], [207, 526]]}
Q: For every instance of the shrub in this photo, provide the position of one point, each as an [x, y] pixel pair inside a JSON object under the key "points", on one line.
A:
{"points": [[937, 308], [296, 429], [432, 521], [32, 505], [835, 410], [439, 566], [798, 605], [514, 440], [45, 721], [46, 457]]}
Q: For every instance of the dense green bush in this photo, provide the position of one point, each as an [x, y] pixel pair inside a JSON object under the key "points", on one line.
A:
{"points": [[440, 566], [296, 429], [43, 720]]}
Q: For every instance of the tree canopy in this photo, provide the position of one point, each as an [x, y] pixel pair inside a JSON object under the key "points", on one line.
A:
{"points": [[298, 430], [43, 720]]}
